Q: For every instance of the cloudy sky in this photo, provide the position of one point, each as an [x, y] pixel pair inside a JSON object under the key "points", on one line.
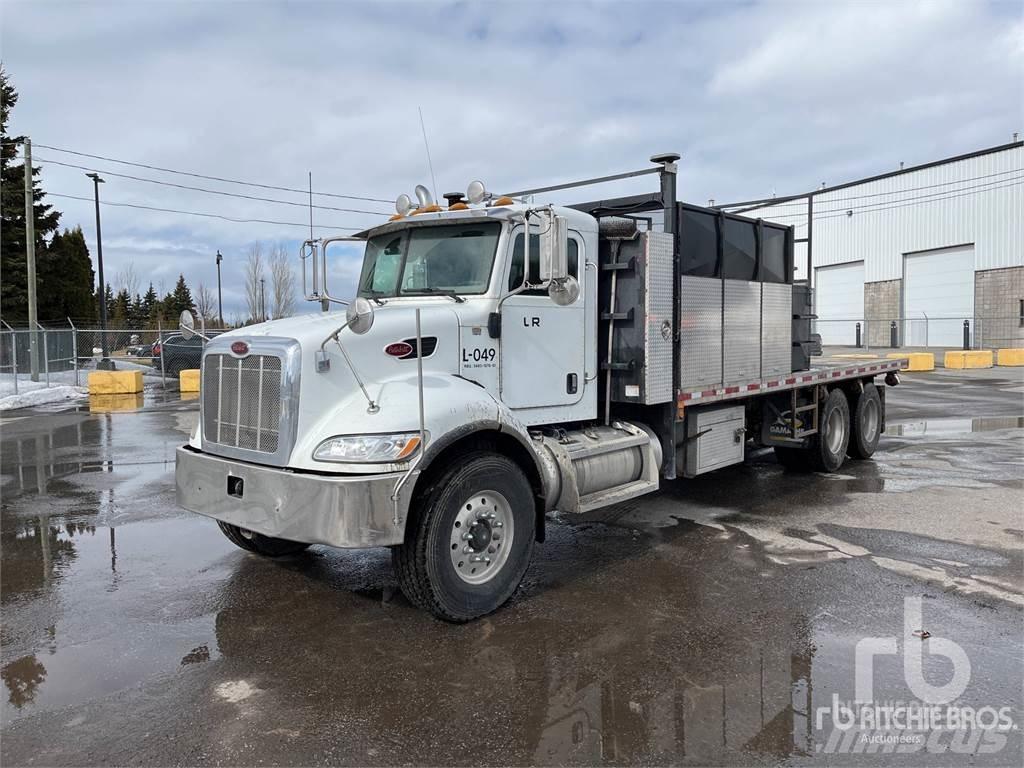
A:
{"points": [[759, 97]]}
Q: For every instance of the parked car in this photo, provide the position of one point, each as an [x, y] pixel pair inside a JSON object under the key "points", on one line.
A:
{"points": [[140, 350], [178, 353]]}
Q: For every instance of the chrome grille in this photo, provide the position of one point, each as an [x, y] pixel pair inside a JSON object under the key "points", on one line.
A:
{"points": [[242, 401]]}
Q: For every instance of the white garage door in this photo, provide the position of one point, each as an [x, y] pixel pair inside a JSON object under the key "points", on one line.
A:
{"points": [[839, 302], [938, 285]]}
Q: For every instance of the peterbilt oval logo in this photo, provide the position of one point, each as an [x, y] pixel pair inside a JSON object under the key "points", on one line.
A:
{"points": [[239, 348], [398, 349]]}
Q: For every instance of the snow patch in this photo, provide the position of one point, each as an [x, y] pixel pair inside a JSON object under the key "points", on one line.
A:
{"points": [[40, 396]]}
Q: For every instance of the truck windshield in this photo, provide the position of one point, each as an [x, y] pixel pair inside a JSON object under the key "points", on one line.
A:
{"points": [[454, 258]]}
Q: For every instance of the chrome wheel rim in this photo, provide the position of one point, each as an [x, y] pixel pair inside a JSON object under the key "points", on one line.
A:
{"points": [[481, 537], [869, 427], [836, 431]]}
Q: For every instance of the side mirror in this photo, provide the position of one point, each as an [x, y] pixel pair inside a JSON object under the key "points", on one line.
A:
{"points": [[359, 316], [187, 324], [554, 249]]}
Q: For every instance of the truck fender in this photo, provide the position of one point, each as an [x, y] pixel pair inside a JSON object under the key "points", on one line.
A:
{"points": [[544, 470]]}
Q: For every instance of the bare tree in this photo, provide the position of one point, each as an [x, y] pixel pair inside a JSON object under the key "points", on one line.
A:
{"points": [[282, 281], [253, 276], [206, 305], [128, 279]]}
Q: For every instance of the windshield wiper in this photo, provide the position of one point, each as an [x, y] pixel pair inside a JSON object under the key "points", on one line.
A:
{"points": [[435, 292], [375, 296]]}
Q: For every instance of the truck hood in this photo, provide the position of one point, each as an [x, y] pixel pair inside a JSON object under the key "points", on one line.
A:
{"points": [[331, 402]]}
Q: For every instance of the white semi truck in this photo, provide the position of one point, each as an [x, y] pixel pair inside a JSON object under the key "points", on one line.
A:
{"points": [[505, 359]]}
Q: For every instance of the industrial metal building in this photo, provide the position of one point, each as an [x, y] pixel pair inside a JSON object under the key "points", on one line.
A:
{"points": [[911, 254]]}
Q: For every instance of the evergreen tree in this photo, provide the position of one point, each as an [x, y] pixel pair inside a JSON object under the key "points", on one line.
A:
{"points": [[109, 296], [179, 300], [118, 313], [14, 286], [137, 315], [65, 276], [149, 301]]}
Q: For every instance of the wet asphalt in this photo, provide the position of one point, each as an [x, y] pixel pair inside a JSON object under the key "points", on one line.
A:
{"points": [[704, 625]]}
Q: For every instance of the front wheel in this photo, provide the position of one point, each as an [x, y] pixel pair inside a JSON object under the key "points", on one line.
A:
{"points": [[251, 541], [469, 539]]}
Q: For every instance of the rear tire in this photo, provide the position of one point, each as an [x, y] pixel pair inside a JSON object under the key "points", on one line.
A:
{"points": [[826, 450], [865, 423], [267, 546], [468, 539]]}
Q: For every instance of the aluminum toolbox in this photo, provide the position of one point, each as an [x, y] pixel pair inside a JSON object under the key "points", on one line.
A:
{"points": [[715, 438], [640, 319]]}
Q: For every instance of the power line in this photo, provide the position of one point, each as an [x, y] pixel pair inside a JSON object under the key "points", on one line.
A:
{"points": [[904, 205], [207, 191], [210, 178], [198, 213], [768, 204]]}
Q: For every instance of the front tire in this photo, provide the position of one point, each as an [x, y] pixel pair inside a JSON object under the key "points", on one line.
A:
{"points": [[469, 539], [267, 546]]}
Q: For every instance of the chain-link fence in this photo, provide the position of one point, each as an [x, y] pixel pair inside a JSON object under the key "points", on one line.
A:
{"points": [[950, 332], [62, 356]]}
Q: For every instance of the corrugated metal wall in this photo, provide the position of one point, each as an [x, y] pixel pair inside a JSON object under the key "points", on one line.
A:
{"points": [[978, 200]]}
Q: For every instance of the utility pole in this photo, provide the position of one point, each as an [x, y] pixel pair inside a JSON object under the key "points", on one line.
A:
{"points": [[30, 256], [105, 363], [220, 305], [263, 300]]}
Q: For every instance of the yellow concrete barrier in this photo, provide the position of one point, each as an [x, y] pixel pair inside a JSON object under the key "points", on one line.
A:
{"points": [[1010, 356], [115, 403], [969, 358], [919, 361], [188, 381], [115, 382]]}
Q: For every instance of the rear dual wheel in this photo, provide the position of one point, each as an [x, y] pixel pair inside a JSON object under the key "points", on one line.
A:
{"points": [[865, 423], [826, 450]]}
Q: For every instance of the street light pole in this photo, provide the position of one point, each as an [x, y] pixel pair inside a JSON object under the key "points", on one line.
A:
{"points": [[263, 300], [220, 305], [105, 363]]}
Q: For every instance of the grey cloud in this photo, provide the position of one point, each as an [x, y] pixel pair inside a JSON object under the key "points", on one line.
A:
{"points": [[757, 96]]}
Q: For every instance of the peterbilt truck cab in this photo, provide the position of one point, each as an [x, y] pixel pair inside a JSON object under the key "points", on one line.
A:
{"points": [[501, 360]]}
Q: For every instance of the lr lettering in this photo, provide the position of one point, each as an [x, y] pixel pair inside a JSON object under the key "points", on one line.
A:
{"points": [[533, 322]]}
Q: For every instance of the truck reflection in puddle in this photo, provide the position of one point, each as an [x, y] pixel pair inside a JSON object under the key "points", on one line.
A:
{"points": [[633, 689]]}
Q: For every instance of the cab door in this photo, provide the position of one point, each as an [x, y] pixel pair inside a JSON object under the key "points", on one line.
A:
{"points": [[542, 344]]}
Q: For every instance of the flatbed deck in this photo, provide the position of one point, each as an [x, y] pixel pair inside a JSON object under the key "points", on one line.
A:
{"points": [[819, 374]]}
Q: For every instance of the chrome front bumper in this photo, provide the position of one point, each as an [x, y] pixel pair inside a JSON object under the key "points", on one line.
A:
{"points": [[343, 511]]}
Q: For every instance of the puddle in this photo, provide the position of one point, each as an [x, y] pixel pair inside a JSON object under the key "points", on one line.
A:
{"points": [[71, 590], [953, 426]]}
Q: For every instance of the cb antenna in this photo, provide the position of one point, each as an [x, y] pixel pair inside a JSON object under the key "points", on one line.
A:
{"points": [[430, 164], [310, 205]]}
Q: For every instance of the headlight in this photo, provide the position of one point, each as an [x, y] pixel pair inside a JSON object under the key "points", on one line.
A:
{"points": [[368, 448]]}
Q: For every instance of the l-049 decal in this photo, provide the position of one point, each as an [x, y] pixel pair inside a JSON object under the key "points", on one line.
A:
{"points": [[479, 357]]}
